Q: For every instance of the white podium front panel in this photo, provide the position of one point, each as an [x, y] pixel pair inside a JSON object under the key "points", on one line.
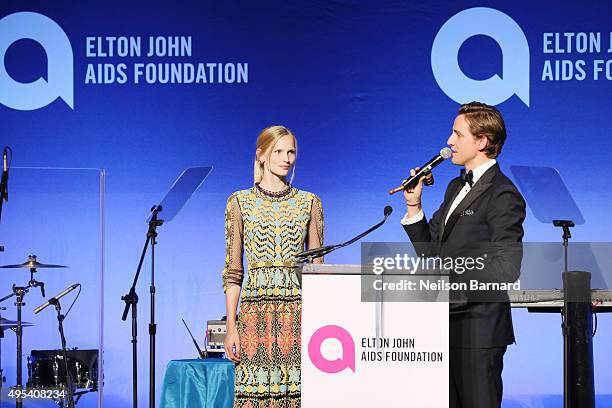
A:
{"points": [[362, 354]]}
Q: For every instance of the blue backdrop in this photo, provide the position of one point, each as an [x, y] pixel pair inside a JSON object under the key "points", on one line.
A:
{"points": [[370, 88]]}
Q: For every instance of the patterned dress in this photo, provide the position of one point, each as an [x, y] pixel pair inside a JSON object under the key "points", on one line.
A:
{"points": [[269, 229]]}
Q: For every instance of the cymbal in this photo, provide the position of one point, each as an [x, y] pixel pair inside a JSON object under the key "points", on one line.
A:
{"points": [[32, 263], [9, 324]]}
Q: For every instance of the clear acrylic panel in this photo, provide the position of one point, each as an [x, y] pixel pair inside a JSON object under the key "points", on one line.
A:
{"points": [[181, 191], [57, 215], [546, 194]]}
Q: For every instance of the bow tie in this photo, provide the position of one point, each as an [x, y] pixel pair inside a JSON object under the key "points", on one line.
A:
{"points": [[467, 177]]}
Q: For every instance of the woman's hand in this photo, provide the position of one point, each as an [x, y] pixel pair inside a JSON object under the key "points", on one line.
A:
{"points": [[232, 344]]}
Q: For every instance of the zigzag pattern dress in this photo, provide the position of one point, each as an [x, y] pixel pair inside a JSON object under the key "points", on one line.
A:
{"points": [[270, 229]]}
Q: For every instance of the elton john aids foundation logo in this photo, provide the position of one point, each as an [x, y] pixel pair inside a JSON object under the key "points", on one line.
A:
{"points": [[59, 82], [348, 349], [515, 53]]}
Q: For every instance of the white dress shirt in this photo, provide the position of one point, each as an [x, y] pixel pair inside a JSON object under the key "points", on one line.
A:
{"points": [[477, 173]]}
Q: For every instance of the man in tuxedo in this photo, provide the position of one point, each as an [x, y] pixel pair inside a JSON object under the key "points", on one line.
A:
{"points": [[482, 206]]}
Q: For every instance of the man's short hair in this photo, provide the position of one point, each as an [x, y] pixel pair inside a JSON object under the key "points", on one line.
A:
{"points": [[485, 121]]}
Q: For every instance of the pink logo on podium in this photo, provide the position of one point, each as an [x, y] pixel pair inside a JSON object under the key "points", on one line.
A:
{"points": [[348, 349]]}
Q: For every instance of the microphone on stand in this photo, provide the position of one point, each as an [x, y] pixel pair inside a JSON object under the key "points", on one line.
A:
{"points": [[5, 169], [57, 297], [412, 181], [4, 181], [321, 251]]}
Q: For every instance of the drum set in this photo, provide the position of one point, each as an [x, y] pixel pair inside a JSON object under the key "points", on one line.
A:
{"points": [[73, 371]]}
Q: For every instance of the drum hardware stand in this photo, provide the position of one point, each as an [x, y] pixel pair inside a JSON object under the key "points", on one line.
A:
{"points": [[19, 293], [131, 301]]}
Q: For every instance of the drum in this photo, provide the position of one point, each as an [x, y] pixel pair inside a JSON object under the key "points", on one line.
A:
{"points": [[46, 368]]}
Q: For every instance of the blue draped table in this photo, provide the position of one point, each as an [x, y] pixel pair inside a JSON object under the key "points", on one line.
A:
{"points": [[198, 383]]}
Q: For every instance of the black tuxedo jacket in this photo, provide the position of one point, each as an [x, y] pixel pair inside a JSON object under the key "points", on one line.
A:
{"points": [[492, 214]]}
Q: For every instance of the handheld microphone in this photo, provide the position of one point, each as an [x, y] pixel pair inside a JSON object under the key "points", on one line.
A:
{"points": [[412, 181], [54, 299]]}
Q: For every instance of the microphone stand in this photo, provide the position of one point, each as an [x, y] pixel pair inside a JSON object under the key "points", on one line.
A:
{"points": [[131, 301], [311, 254], [3, 187], [2, 379], [60, 320], [1, 337]]}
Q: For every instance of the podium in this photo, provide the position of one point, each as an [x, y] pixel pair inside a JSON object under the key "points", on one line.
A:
{"points": [[360, 350]]}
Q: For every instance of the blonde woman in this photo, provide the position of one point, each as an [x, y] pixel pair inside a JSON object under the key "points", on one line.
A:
{"points": [[269, 224]]}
